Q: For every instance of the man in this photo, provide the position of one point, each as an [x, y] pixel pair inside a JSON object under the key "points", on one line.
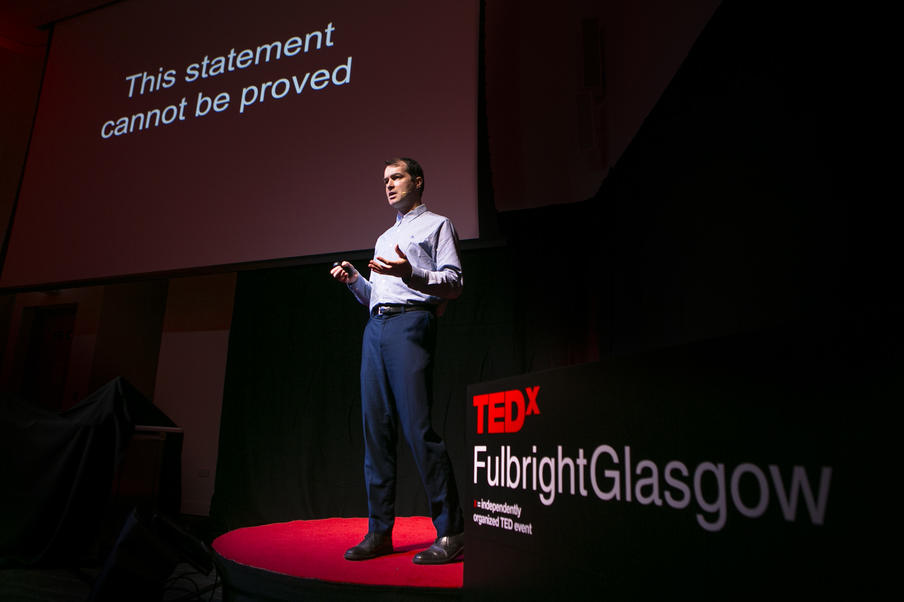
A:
{"points": [[415, 270]]}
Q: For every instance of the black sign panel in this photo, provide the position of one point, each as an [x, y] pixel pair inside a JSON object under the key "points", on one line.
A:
{"points": [[723, 469]]}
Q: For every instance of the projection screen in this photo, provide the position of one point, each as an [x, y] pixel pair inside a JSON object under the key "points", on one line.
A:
{"points": [[177, 135]]}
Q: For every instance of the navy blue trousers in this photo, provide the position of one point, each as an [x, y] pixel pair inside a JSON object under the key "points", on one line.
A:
{"points": [[396, 391]]}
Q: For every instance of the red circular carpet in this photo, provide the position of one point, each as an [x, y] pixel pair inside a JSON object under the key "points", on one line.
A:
{"points": [[313, 549]]}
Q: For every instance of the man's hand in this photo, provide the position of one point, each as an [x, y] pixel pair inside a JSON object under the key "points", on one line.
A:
{"points": [[399, 267], [341, 275]]}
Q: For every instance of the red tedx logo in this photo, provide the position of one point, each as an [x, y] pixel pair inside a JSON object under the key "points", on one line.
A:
{"points": [[504, 412]]}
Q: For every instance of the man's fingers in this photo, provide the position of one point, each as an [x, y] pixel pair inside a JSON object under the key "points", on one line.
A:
{"points": [[399, 252], [338, 272]]}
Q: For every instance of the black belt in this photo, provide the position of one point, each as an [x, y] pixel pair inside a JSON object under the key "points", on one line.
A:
{"points": [[385, 309]]}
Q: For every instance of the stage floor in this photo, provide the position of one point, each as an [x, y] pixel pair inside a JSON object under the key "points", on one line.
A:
{"points": [[312, 551]]}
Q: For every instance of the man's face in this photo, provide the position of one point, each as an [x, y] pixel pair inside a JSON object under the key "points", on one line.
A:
{"points": [[402, 191]]}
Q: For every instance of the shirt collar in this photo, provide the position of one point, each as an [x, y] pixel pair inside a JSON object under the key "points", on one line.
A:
{"points": [[407, 217]]}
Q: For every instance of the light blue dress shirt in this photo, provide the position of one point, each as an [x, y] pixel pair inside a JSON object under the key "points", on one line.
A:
{"points": [[431, 245]]}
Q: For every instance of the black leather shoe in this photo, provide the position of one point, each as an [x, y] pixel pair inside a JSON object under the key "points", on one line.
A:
{"points": [[444, 549], [373, 545]]}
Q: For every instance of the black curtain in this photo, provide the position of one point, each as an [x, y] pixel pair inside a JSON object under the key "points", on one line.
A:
{"points": [[291, 444]]}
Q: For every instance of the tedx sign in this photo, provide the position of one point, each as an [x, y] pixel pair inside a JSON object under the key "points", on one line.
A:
{"points": [[670, 461]]}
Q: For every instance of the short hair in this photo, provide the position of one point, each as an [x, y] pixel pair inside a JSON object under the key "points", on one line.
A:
{"points": [[413, 168]]}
